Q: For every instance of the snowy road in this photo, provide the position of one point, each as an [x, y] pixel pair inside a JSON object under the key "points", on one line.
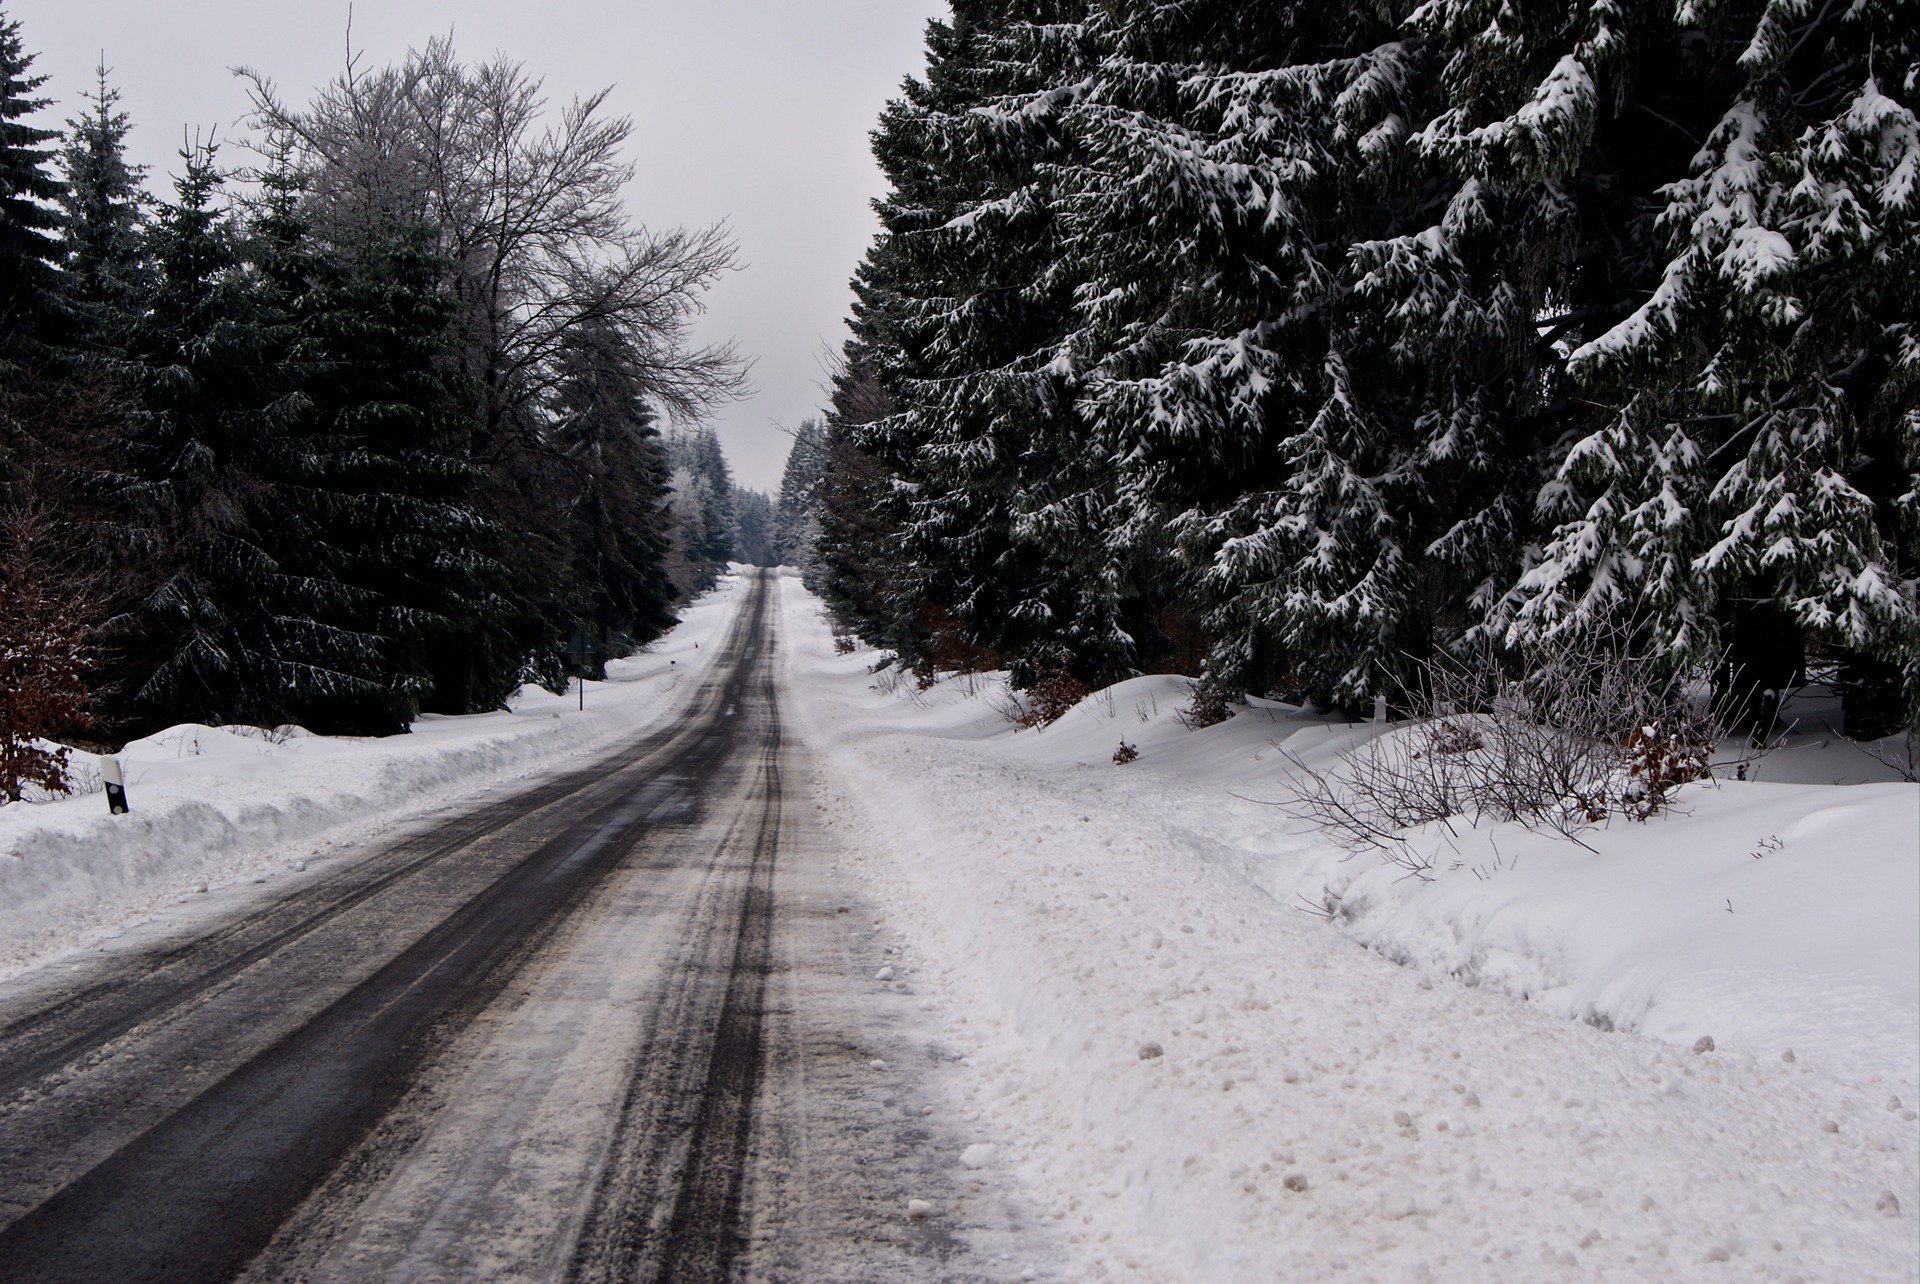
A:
{"points": [[621, 1026], [827, 975]]}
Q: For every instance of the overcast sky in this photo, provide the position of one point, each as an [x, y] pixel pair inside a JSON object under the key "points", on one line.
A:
{"points": [[751, 111]]}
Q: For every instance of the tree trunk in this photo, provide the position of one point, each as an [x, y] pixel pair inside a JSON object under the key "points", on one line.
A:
{"points": [[1765, 658], [1872, 704]]}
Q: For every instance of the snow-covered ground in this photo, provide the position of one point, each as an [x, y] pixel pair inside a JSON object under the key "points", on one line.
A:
{"points": [[1206, 1084], [216, 807], [1196, 1080]]}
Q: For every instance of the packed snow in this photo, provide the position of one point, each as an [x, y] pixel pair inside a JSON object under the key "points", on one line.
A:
{"points": [[218, 808], [1207, 1084]]}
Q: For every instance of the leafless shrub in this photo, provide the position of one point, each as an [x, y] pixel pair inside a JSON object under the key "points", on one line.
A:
{"points": [[973, 685], [48, 621], [1125, 754], [1209, 708], [1561, 744], [1902, 754], [844, 645], [274, 735], [1374, 799], [889, 675], [1326, 909], [1008, 705], [1047, 700]]}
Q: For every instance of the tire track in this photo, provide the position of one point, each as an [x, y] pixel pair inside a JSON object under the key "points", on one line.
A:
{"points": [[197, 1195], [670, 1201], [569, 1070], [40, 1041]]}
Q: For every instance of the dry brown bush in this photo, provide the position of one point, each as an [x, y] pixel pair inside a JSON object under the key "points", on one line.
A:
{"points": [[46, 654], [1561, 745], [1047, 700], [1210, 708]]}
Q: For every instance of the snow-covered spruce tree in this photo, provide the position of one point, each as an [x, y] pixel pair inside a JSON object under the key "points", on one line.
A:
{"points": [[859, 568], [55, 414], [965, 298], [30, 287], [293, 465], [1309, 314], [1338, 259], [700, 510], [208, 642], [1205, 209], [1759, 465], [616, 514], [796, 522], [104, 210], [242, 488], [29, 280], [753, 528], [374, 500]]}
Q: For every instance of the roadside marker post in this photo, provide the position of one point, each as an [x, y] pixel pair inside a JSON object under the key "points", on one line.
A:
{"points": [[580, 651], [115, 785]]}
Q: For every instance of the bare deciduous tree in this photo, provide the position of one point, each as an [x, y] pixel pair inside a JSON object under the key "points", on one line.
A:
{"points": [[526, 210]]}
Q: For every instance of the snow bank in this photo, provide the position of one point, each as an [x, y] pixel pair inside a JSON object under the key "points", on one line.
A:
{"points": [[1204, 1084], [1767, 916], [223, 805]]}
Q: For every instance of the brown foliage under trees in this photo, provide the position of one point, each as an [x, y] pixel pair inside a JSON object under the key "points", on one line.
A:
{"points": [[46, 653]]}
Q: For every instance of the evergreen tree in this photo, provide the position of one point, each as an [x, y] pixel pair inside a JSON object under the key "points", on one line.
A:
{"points": [[373, 500], [54, 421], [753, 528], [1319, 373], [104, 210], [1334, 254], [1756, 475], [617, 512], [859, 508], [217, 638], [1213, 211], [701, 509], [796, 522], [29, 218], [963, 304]]}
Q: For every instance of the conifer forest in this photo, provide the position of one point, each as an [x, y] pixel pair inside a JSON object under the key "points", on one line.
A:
{"points": [[1288, 347], [1292, 346], [366, 417]]}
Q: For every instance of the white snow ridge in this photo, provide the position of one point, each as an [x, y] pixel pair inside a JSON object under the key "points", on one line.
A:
{"points": [[1203, 1084]]}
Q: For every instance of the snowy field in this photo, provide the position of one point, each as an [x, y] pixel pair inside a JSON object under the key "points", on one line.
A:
{"points": [[216, 810], [1205, 1084]]}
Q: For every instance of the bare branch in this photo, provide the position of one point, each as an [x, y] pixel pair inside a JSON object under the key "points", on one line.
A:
{"points": [[527, 211]]}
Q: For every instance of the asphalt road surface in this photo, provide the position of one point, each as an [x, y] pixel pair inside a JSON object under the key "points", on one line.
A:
{"points": [[619, 1026]]}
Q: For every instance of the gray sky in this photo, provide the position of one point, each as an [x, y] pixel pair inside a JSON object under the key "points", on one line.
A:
{"points": [[752, 111]]}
